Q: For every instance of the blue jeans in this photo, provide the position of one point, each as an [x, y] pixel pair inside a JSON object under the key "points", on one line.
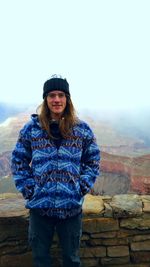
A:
{"points": [[41, 231]]}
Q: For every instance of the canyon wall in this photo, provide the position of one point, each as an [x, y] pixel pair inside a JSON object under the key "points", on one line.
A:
{"points": [[136, 169], [125, 174]]}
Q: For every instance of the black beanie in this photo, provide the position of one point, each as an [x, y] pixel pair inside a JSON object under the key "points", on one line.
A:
{"points": [[52, 84]]}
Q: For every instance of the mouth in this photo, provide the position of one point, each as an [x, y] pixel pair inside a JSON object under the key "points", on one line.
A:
{"points": [[57, 106]]}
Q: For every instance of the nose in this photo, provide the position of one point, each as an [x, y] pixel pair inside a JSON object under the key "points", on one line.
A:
{"points": [[57, 98]]}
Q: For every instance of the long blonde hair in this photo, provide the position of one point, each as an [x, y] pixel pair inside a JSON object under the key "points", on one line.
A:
{"points": [[66, 123]]}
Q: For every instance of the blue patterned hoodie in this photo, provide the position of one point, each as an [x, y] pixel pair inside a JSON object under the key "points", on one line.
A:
{"points": [[53, 179]]}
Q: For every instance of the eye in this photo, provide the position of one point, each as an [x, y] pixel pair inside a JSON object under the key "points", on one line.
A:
{"points": [[51, 95], [61, 95]]}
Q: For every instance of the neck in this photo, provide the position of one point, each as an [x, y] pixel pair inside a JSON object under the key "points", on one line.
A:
{"points": [[55, 117]]}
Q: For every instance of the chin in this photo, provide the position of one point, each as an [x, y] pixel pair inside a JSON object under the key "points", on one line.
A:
{"points": [[58, 111]]}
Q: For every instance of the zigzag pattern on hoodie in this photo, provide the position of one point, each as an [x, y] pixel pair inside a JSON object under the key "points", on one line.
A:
{"points": [[55, 180]]}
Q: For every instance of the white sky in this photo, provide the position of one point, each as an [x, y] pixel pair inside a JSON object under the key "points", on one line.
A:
{"points": [[101, 47]]}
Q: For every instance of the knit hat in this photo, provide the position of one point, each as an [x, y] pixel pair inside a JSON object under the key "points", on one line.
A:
{"points": [[56, 82]]}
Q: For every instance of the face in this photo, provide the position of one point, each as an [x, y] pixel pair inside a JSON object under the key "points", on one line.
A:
{"points": [[56, 101]]}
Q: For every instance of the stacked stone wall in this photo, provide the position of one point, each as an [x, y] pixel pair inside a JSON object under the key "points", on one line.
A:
{"points": [[116, 232]]}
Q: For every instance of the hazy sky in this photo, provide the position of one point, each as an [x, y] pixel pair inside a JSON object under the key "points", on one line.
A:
{"points": [[101, 47]]}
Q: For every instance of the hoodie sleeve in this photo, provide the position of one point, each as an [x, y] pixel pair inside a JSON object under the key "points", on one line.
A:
{"points": [[20, 164], [90, 163]]}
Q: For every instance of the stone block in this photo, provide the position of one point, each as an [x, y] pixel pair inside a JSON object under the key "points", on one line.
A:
{"points": [[104, 235], [115, 241], [90, 262], [126, 206], [126, 265], [92, 252], [108, 210], [16, 260], [140, 257], [141, 237], [97, 225], [92, 205], [118, 251], [136, 223], [146, 206], [109, 261], [141, 246]]}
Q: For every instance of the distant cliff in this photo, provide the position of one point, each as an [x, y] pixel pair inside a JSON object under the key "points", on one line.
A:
{"points": [[114, 135], [5, 164], [136, 170], [125, 158], [119, 174], [9, 110]]}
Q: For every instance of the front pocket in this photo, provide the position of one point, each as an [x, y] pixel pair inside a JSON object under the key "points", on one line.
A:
{"points": [[37, 191], [76, 186]]}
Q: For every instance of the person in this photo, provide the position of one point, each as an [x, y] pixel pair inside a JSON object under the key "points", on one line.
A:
{"points": [[54, 164]]}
